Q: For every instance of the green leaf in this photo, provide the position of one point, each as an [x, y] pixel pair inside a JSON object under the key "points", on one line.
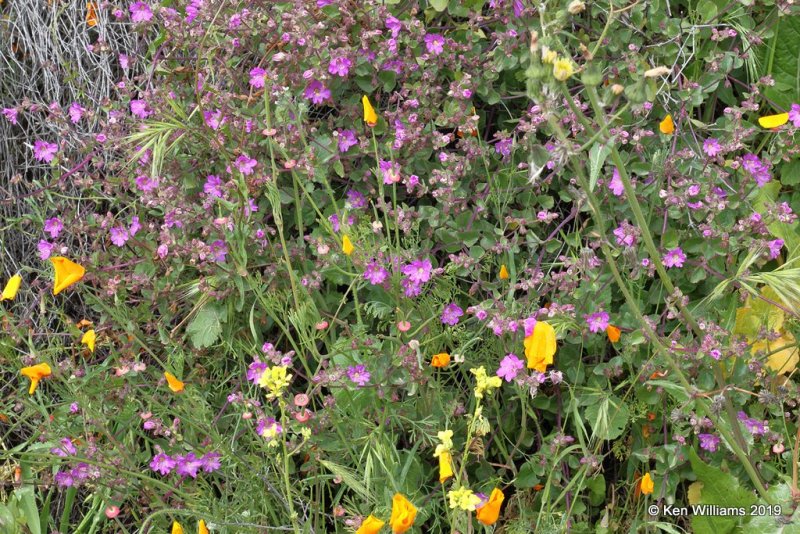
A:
{"points": [[783, 62], [27, 501], [597, 156], [439, 5], [527, 476], [723, 489], [206, 326], [608, 417], [790, 173]]}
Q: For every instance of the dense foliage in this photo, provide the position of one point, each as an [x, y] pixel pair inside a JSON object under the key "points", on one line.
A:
{"points": [[432, 266]]}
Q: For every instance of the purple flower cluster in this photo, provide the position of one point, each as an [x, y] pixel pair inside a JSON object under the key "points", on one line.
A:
{"points": [[187, 465], [510, 366], [708, 442], [79, 474], [416, 273], [451, 314], [758, 170]]}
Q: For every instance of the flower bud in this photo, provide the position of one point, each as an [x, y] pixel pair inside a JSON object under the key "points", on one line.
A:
{"points": [[617, 89], [575, 7]]}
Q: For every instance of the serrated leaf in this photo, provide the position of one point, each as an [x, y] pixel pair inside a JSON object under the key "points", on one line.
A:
{"points": [[206, 326]]}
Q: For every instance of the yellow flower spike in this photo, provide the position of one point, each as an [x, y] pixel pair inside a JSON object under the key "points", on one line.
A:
{"points": [[201, 527], [177, 528], [12, 286], [403, 514], [773, 121], [440, 360], [36, 373], [370, 117], [347, 245], [666, 126], [503, 272], [540, 346], [371, 525], [67, 273], [88, 339], [647, 484], [489, 512], [445, 467], [174, 384]]}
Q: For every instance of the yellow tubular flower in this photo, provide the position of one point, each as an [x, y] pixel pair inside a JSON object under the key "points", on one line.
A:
{"points": [[10, 291], [666, 126], [445, 467], [371, 525], [647, 484], [67, 273], [201, 527], [540, 346], [773, 121], [174, 384], [347, 245], [403, 514], [36, 373], [177, 528], [370, 117], [489, 512], [503, 272], [88, 339]]}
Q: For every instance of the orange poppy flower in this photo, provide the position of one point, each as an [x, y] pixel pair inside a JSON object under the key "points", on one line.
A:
{"points": [[174, 384], [403, 514], [489, 512], [445, 467], [440, 360], [666, 126], [371, 525], [370, 117], [540, 346], [647, 485], [503, 272], [36, 373], [67, 273], [613, 333]]}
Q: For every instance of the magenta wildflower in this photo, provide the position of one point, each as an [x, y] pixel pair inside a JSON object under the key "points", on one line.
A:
{"points": [[757, 169], [708, 442], [255, 370], [510, 366], [625, 234], [418, 271], [434, 43], [45, 249], [258, 77], [754, 426], [163, 464], [245, 164], [44, 151], [212, 186], [674, 257], [64, 479], [347, 138], [394, 25], [140, 109], [503, 147], [711, 147], [391, 172], [135, 226], [188, 465], [10, 114], [140, 12], [76, 112], [119, 235], [615, 184], [340, 66], [317, 92], [451, 314], [65, 449], [269, 428], [145, 183], [358, 374], [219, 250], [794, 115], [210, 461], [597, 321], [356, 199], [775, 248], [214, 119], [375, 273], [53, 226]]}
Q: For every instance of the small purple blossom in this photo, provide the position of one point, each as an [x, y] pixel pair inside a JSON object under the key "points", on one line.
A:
{"points": [[708, 442], [317, 92], [775, 247], [434, 43], [358, 374], [597, 321], [65, 449], [347, 139], [45, 249], [140, 109], [163, 464], [418, 271], [219, 250], [340, 66], [615, 184], [53, 226], [245, 165], [44, 151], [210, 461], [451, 314], [212, 186], [510, 366], [794, 115], [10, 114], [375, 273], [140, 12], [135, 226], [258, 77], [754, 426], [119, 235], [146, 183], [188, 465], [76, 112], [674, 258], [711, 147], [503, 147]]}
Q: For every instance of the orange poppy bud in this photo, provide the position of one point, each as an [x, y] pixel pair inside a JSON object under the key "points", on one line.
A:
{"points": [[503, 272], [174, 384], [647, 485], [666, 126], [403, 514]]}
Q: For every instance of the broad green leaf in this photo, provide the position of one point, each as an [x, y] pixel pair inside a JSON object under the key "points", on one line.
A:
{"points": [[439, 5], [723, 489], [608, 417], [597, 156], [27, 501], [206, 326], [790, 173], [782, 61]]}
